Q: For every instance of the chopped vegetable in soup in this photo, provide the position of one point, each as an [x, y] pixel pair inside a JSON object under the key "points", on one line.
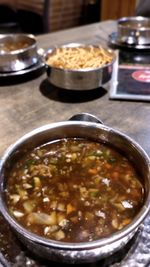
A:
{"points": [[74, 190]]}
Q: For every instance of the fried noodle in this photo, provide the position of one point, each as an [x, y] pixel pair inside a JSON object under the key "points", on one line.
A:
{"points": [[79, 57]]}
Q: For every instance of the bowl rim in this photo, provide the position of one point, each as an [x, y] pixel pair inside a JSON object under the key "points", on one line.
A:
{"points": [[122, 20], [76, 44], [117, 236], [21, 50]]}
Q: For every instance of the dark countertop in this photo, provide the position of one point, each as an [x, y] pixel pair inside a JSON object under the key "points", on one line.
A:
{"points": [[26, 105]]}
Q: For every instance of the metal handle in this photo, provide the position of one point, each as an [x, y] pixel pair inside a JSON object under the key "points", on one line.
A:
{"points": [[85, 117]]}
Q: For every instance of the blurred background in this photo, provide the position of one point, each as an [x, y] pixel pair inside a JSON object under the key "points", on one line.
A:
{"points": [[42, 16]]}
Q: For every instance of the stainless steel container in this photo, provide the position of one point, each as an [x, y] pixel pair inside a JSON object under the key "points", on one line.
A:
{"points": [[81, 79], [134, 30], [17, 59], [84, 126]]}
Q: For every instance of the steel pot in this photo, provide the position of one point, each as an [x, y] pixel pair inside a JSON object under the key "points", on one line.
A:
{"points": [[17, 52], [134, 30], [84, 126], [80, 79]]}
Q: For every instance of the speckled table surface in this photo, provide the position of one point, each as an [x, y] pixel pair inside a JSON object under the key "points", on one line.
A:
{"points": [[135, 254], [29, 101]]}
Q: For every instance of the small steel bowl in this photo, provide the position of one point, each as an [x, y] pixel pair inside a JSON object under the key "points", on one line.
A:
{"points": [[134, 30], [80, 79], [82, 126], [17, 52]]}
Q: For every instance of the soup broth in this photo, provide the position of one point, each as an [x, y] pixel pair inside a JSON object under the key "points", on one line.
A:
{"points": [[8, 47], [74, 190]]}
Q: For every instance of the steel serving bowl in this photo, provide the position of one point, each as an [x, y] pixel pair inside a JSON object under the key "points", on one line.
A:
{"points": [[134, 30], [80, 79], [83, 126], [17, 52]]}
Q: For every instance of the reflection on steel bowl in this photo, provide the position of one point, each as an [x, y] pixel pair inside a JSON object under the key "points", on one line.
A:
{"points": [[134, 30], [79, 66], [17, 52], [46, 154]]}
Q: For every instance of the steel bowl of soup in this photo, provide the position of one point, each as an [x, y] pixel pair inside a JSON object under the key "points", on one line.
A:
{"points": [[75, 191], [77, 66], [134, 30], [17, 52]]}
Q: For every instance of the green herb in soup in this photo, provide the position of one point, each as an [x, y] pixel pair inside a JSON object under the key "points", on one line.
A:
{"points": [[74, 190]]}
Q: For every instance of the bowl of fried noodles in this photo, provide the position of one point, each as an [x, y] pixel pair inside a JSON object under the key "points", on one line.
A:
{"points": [[78, 66]]}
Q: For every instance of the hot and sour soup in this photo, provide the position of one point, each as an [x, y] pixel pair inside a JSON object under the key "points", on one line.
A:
{"points": [[74, 190]]}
